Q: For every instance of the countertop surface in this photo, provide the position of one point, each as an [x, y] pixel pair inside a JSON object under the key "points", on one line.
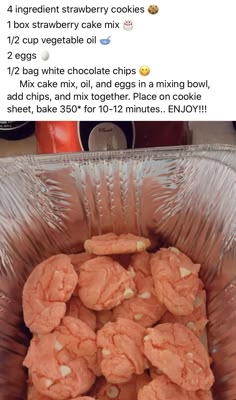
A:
{"points": [[203, 132]]}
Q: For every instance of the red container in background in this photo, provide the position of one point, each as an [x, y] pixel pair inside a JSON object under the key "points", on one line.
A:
{"points": [[57, 137], [65, 136], [162, 133]]}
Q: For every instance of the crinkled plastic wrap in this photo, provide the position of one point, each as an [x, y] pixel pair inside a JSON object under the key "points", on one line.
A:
{"points": [[180, 196]]}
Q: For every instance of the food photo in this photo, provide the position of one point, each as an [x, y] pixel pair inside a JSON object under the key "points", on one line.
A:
{"points": [[117, 260]]}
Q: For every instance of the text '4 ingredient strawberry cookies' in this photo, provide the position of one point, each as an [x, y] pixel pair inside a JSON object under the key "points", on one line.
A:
{"points": [[63, 364], [179, 354], [103, 284], [176, 280], [46, 291], [161, 388], [144, 308], [111, 243], [120, 346]]}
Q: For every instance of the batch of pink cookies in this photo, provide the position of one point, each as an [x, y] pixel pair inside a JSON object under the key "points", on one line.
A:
{"points": [[117, 322]]}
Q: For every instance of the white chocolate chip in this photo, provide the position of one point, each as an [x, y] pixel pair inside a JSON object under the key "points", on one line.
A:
{"points": [[112, 392], [131, 272], [197, 302], [137, 317], [198, 370], [184, 272], [128, 294], [189, 354], [190, 361], [140, 246], [146, 364], [48, 383], [174, 250], [191, 325], [145, 295], [65, 370], [158, 371], [146, 338], [58, 346], [106, 352], [86, 246]]}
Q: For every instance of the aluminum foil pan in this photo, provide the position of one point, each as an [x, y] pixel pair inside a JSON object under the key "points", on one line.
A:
{"points": [[180, 196]]}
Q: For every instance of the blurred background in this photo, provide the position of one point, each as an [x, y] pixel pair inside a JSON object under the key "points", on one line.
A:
{"points": [[48, 137]]}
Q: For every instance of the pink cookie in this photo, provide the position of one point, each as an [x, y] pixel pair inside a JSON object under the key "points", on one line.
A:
{"points": [[161, 388], [49, 286], [33, 394], [197, 320], [103, 284], [76, 309], [120, 346], [111, 243], [124, 391], [179, 354], [63, 363], [140, 267], [140, 270], [144, 308], [176, 280], [77, 260]]}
